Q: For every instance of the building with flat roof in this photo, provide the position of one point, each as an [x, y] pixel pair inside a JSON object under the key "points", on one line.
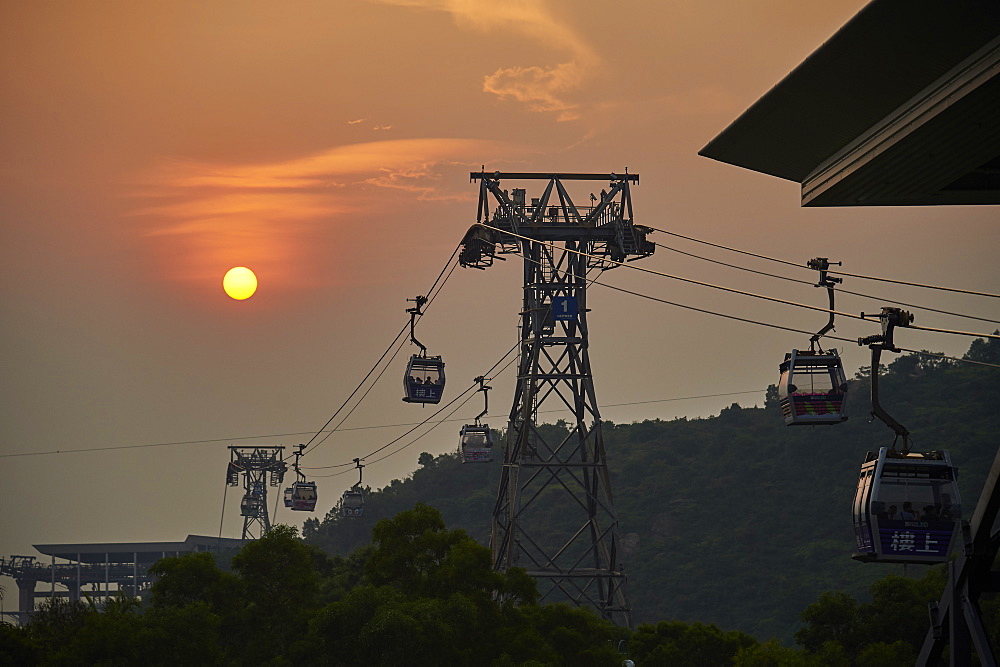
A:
{"points": [[96, 571]]}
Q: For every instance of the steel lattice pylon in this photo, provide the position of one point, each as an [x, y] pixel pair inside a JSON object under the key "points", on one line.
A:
{"points": [[261, 467], [548, 471]]}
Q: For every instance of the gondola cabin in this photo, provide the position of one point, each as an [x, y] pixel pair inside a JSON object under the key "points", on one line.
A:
{"points": [[475, 444], [301, 496], [424, 380], [251, 505], [812, 388], [907, 508], [352, 503]]}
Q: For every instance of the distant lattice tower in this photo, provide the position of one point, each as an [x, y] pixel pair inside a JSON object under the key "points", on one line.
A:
{"points": [[559, 242], [261, 467]]}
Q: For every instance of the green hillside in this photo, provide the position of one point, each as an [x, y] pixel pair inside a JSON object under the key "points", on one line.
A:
{"points": [[735, 520]]}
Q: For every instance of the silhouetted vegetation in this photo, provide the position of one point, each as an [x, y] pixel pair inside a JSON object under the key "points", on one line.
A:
{"points": [[735, 519], [732, 522]]}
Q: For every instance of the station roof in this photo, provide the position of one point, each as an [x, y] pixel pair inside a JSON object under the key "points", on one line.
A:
{"points": [[142, 552], [898, 107]]}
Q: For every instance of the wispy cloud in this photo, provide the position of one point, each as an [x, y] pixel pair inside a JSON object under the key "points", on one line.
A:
{"points": [[268, 208], [540, 87], [337, 166]]}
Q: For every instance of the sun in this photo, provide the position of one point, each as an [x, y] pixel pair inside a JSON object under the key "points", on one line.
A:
{"points": [[240, 283]]}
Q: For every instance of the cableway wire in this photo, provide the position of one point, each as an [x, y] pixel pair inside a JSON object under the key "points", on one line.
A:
{"points": [[594, 281], [384, 369], [382, 372], [222, 518], [734, 266], [675, 277], [947, 331], [467, 394], [456, 409], [371, 386], [352, 428], [309, 445], [840, 273], [784, 328], [323, 429], [723, 247], [911, 284], [704, 284], [840, 290], [765, 324]]}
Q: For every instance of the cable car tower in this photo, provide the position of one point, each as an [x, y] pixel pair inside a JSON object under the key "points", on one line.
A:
{"points": [[261, 467], [559, 242]]}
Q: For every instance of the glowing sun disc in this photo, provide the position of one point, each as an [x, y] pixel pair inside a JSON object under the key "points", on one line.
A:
{"points": [[240, 283]]}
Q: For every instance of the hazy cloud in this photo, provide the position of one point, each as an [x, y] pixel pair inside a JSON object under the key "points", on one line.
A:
{"points": [[541, 88]]}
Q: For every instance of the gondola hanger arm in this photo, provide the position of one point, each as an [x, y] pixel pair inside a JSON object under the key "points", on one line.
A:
{"points": [[414, 313], [891, 318]]}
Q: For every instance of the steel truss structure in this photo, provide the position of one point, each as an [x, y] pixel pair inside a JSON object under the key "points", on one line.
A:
{"points": [[957, 620], [261, 467], [551, 471]]}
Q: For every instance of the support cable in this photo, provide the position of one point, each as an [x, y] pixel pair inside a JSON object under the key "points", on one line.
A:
{"points": [[356, 389], [371, 386], [445, 407], [923, 353], [309, 445], [702, 283], [457, 408], [221, 518], [840, 273], [956, 333], [841, 290], [723, 247], [670, 275], [277, 494], [593, 281], [374, 426], [424, 422], [911, 284], [732, 266]]}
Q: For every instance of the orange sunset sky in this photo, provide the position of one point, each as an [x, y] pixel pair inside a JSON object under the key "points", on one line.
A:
{"points": [[148, 147]]}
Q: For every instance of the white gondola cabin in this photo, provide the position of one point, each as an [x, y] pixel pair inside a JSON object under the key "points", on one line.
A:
{"points": [[475, 444], [301, 496], [812, 388], [352, 503], [907, 508], [424, 380]]}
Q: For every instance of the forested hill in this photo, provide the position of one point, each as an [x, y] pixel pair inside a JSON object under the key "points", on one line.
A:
{"points": [[737, 519]]}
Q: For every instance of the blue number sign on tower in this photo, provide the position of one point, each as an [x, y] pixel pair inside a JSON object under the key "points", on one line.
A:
{"points": [[564, 308]]}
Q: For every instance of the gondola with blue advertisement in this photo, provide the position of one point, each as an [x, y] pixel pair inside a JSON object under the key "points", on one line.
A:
{"points": [[423, 381], [907, 508]]}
